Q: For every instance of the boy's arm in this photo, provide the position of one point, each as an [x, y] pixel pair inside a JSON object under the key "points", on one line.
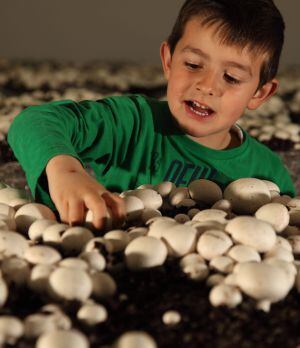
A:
{"points": [[73, 191], [87, 132]]}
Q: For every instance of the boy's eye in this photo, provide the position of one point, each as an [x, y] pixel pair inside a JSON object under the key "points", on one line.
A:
{"points": [[191, 66], [231, 79]]}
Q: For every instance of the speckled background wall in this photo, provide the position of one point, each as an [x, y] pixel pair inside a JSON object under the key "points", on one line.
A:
{"points": [[101, 29]]}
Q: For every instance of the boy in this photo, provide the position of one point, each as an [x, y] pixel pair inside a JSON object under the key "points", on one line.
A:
{"points": [[221, 57]]}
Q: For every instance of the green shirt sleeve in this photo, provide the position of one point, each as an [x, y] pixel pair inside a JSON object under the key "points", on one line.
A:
{"points": [[88, 130]]}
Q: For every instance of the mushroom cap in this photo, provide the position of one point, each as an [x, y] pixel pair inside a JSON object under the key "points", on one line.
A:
{"points": [[134, 207], [3, 292], [180, 239], [171, 317], [42, 254], [160, 225], [275, 214], [75, 238], [12, 244], [62, 339], [211, 215], [164, 188], [205, 191], [135, 339], [70, 283], [119, 238], [37, 228], [250, 231], [103, 285], [9, 194], [247, 195], [11, 328], [150, 198], [139, 253], [31, 212], [225, 295], [243, 253], [178, 194], [213, 243], [92, 314], [262, 281]]}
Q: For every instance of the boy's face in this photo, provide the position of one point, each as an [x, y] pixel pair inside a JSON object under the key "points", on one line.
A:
{"points": [[210, 84]]}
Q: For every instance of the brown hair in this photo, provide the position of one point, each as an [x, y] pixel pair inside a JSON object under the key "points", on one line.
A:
{"points": [[255, 24]]}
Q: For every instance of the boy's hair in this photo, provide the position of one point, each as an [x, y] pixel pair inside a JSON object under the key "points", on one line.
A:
{"points": [[255, 24]]}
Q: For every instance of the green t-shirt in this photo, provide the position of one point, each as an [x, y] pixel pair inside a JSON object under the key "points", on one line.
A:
{"points": [[129, 141]]}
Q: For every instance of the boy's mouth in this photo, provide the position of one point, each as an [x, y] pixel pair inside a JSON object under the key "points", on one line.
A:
{"points": [[198, 108]]}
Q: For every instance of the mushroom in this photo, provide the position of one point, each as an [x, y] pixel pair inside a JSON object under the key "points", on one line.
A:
{"points": [[95, 260], [215, 279], [159, 225], [9, 194], [252, 232], [225, 295], [75, 238], [62, 339], [74, 262], [103, 285], [119, 239], [37, 324], [180, 239], [247, 195], [3, 292], [15, 270], [139, 253], [39, 277], [223, 264], [164, 188], [134, 339], [211, 215], [178, 194], [37, 228], [31, 212], [243, 253], [150, 198], [70, 284], [11, 328], [213, 243], [275, 214], [12, 244], [42, 254], [205, 191], [134, 207], [53, 233], [171, 318], [92, 314]]}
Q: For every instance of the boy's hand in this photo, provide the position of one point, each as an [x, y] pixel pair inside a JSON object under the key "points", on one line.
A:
{"points": [[74, 191]]}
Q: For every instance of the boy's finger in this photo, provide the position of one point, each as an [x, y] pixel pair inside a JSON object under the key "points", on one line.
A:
{"points": [[62, 208], [116, 204], [98, 207], [76, 212]]}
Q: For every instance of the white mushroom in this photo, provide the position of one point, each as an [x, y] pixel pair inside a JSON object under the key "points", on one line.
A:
{"points": [[15, 270], [31, 212], [281, 253], [92, 314], [215, 279], [205, 191], [62, 339], [133, 207], [243, 253], [171, 318], [42, 254], [247, 195], [275, 214], [119, 239], [225, 295], [12, 244], [211, 215], [157, 227], [3, 292], [70, 284], [149, 197], [74, 262], [75, 238], [9, 194], [164, 188], [139, 253], [53, 233], [37, 228], [39, 277], [149, 213], [178, 194], [213, 243], [223, 264], [134, 339], [95, 260], [11, 328], [37, 324], [262, 281], [180, 239], [250, 231], [103, 285]]}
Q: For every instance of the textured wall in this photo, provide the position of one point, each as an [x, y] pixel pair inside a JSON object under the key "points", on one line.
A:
{"points": [[103, 29]]}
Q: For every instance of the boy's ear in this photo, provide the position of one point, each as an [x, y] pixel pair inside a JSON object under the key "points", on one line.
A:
{"points": [[262, 94], [166, 58]]}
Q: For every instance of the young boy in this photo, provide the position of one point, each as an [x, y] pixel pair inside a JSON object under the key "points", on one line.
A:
{"points": [[221, 57]]}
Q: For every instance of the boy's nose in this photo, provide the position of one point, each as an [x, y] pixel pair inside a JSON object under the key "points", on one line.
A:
{"points": [[208, 85]]}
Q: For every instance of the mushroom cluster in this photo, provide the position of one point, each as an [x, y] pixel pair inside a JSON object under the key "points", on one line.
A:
{"points": [[241, 242]]}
